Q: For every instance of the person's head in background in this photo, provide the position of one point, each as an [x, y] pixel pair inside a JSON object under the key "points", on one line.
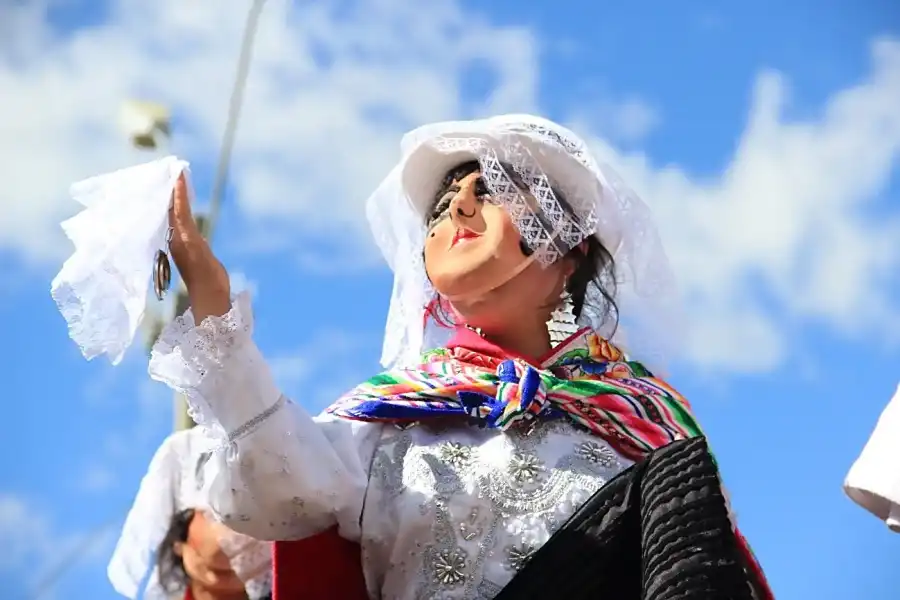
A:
{"points": [[191, 558], [171, 548]]}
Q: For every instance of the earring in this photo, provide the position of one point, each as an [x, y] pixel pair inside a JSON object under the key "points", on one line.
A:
{"points": [[562, 320], [476, 330], [162, 269]]}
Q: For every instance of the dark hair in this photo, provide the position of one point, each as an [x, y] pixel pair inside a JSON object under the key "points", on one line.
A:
{"points": [[170, 566], [594, 263]]}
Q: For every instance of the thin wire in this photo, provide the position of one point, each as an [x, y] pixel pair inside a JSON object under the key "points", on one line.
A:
{"points": [[78, 553], [208, 224], [234, 112]]}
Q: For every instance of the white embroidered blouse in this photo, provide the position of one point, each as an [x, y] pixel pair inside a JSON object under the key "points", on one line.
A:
{"points": [[447, 513]]}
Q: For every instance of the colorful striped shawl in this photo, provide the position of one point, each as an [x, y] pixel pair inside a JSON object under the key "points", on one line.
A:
{"points": [[586, 379]]}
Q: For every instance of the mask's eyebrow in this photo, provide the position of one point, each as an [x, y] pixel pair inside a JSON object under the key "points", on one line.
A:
{"points": [[452, 186], [440, 206]]}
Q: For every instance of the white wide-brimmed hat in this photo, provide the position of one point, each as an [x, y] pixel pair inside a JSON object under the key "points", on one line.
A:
{"points": [[557, 194]]}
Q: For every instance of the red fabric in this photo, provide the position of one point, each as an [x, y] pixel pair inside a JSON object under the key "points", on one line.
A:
{"points": [[467, 339], [755, 567], [322, 567]]}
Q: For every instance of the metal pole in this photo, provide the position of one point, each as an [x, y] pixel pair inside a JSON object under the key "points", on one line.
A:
{"points": [[234, 112], [180, 409], [207, 225], [45, 586]]}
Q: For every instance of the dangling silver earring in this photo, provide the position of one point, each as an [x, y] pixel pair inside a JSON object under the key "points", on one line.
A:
{"points": [[476, 330], [562, 320]]}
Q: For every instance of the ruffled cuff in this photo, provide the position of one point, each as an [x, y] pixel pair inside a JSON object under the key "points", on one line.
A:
{"points": [[218, 368]]}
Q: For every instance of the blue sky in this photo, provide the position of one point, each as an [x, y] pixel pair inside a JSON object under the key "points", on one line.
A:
{"points": [[765, 136]]}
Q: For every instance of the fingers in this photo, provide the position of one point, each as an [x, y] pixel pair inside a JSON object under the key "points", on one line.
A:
{"points": [[180, 213], [204, 276], [181, 219], [187, 244]]}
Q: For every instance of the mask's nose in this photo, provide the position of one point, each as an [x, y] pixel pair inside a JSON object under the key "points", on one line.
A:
{"points": [[464, 205]]}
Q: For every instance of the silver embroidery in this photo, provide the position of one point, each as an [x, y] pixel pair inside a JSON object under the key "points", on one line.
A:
{"points": [[388, 465], [455, 454], [485, 546], [518, 556], [596, 453], [512, 496], [469, 528], [552, 523], [478, 506], [447, 562], [450, 566], [245, 429], [524, 468]]}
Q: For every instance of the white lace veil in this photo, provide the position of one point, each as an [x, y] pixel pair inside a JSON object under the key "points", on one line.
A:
{"points": [[174, 483], [518, 152]]}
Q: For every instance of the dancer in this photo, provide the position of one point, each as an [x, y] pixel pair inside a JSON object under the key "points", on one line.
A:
{"points": [[453, 468], [168, 519]]}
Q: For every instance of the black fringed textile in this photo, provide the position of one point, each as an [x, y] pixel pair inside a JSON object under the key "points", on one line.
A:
{"points": [[657, 531]]}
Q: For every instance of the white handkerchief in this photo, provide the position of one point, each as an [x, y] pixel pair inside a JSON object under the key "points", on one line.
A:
{"points": [[874, 480], [102, 288]]}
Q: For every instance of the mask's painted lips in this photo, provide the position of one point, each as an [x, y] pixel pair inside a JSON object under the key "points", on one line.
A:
{"points": [[463, 234]]}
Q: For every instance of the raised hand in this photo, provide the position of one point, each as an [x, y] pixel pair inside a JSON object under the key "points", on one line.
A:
{"points": [[204, 276]]}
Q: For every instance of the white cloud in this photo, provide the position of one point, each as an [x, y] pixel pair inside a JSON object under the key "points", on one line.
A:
{"points": [[330, 91], [139, 408], [627, 120], [98, 478], [791, 232], [241, 283], [634, 119], [295, 370]]}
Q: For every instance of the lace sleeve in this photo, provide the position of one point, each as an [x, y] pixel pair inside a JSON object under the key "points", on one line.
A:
{"points": [[277, 473]]}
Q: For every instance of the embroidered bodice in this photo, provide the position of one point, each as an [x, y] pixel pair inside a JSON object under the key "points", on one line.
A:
{"points": [[455, 512]]}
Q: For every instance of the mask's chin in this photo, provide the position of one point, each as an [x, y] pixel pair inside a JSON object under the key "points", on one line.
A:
{"points": [[485, 282], [495, 309], [465, 279], [524, 298]]}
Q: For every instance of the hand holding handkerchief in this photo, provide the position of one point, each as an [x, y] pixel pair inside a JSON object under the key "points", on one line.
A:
{"points": [[102, 288]]}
